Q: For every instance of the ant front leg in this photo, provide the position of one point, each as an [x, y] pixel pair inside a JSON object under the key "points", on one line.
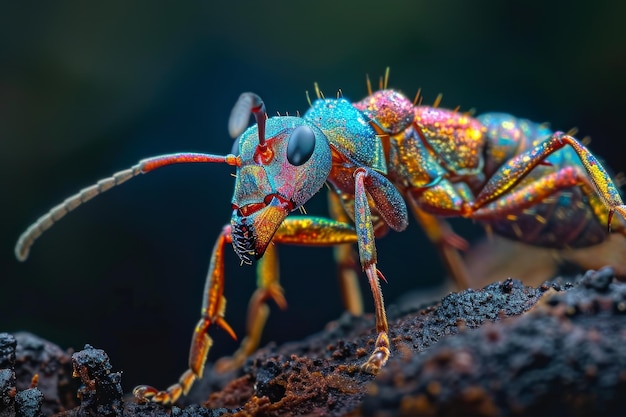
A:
{"points": [[268, 288], [296, 230], [392, 208], [318, 231], [312, 231], [213, 309]]}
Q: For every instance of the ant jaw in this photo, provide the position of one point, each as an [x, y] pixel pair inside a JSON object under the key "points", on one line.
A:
{"points": [[251, 234]]}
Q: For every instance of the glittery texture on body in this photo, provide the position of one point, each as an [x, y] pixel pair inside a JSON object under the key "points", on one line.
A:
{"points": [[574, 217], [456, 138], [440, 150], [349, 130]]}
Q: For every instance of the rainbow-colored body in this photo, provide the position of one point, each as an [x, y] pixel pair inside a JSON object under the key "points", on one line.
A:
{"points": [[377, 156], [442, 159]]}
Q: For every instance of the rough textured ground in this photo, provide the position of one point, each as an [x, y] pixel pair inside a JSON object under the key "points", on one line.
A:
{"points": [[507, 349]]}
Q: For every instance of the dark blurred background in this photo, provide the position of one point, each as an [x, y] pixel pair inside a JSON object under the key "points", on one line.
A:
{"points": [[91, 88]]}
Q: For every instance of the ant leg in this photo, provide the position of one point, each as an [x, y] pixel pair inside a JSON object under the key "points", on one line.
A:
{"points": [[381, 352], [319, 231], [518, 199], [268, 287], [521, 198], [311, 231], [345, 256], [297, 230], [346, 259], [387, 201], [517, 168], [213, 309]]}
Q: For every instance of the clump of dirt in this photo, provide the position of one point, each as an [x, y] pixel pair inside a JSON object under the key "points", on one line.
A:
{"points": [[563, 358], [22, 356]]}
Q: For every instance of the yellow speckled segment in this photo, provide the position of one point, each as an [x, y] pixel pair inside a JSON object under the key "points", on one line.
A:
{"points": [[517, 168], [314, 231], [363, 221], [514, 171], [519, 199], [600, 178]]}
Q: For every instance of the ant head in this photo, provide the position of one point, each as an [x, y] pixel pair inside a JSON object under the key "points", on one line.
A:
{"points": [[284, 162]]}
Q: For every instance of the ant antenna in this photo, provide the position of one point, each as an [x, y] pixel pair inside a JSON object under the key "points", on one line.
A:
{"points": [[238, 121]]}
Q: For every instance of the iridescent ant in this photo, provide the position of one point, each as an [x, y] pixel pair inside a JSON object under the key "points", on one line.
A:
{"points": [[377, 155]]}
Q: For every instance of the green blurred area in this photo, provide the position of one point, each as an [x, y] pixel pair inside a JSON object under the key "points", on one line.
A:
{"points": [[87, 89]]}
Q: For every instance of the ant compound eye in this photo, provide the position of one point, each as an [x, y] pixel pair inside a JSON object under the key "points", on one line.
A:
{"points": [[301, 145]]}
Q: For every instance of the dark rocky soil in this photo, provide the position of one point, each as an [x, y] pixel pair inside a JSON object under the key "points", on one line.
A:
{"points": [[507, 349]]}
